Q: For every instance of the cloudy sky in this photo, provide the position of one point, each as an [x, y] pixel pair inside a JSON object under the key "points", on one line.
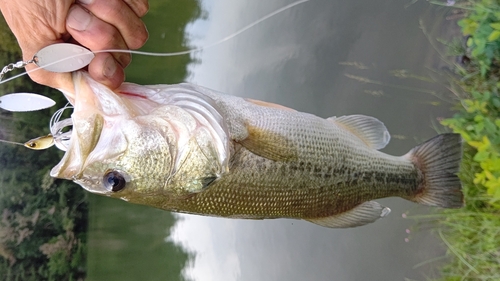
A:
{"points": [[300, 58]]}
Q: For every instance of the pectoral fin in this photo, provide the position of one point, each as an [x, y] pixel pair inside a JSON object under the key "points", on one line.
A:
{"points": [[362, 214], [269, 144], [370, 130]]}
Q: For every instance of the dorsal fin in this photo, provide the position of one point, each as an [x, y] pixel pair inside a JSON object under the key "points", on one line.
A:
{"points": [[369, 129], [269, 104]]}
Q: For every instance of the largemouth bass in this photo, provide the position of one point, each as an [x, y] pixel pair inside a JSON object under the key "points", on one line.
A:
{"points": [[185, 148]]}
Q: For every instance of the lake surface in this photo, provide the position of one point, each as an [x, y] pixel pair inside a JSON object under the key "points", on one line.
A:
{"points": [[327, 57]]}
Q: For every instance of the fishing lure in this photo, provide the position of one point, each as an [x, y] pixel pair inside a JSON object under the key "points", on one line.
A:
{"points": [[57, 135], [40, 142], [22, 102], [66, 57]]}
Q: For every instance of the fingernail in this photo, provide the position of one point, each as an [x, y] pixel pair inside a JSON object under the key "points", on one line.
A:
{"points": [[78, 18], [109, 67], [85, 2]]}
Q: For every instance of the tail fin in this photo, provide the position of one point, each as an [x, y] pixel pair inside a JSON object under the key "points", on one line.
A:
{"points": [[439, 159]]}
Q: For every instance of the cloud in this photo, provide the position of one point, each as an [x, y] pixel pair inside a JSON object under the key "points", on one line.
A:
{"points": [[211, 241]]}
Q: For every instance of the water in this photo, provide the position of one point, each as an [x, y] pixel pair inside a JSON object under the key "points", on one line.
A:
{"points": [[324, 57]]}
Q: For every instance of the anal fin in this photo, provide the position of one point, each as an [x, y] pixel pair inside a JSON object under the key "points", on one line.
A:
{"points": [[362, 214]]}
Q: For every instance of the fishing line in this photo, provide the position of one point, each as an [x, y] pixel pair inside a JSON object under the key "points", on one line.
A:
{"points": [[215, 43], [191, 51], [12, 142]]}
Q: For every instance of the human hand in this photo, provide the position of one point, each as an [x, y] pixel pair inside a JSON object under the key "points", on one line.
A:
{"points": [[95, 24]]}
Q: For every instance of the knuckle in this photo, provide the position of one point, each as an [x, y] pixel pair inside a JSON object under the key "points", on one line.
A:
{"points": [[140, 37], [39, 79]]}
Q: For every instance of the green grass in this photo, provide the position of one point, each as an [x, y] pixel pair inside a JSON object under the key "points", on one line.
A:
{"points": [[472, 234]]}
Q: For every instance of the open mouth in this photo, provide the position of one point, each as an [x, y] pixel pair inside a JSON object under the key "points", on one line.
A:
{"points": [[87, 121], [95, 107]]}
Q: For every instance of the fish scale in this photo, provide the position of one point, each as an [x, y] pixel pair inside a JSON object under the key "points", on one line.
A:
{"points": [[288, 197]]}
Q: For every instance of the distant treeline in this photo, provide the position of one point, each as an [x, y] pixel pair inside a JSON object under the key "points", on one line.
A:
{"points": [[43, 221]]}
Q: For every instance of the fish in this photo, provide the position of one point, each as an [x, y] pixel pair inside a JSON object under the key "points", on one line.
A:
{"points": [[185, 148]]}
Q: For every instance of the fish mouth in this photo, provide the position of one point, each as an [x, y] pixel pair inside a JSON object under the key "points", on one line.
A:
{"points": [[92, 103], [96, 111]]}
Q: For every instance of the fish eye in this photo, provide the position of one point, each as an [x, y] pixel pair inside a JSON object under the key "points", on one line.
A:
{"points": [[114, 180]]}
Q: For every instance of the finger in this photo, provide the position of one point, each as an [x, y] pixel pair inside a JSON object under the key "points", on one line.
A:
{"points": [[122, 17], [61, 81], [140, 7], [104, 69], [33, 32], [95, 34]]}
